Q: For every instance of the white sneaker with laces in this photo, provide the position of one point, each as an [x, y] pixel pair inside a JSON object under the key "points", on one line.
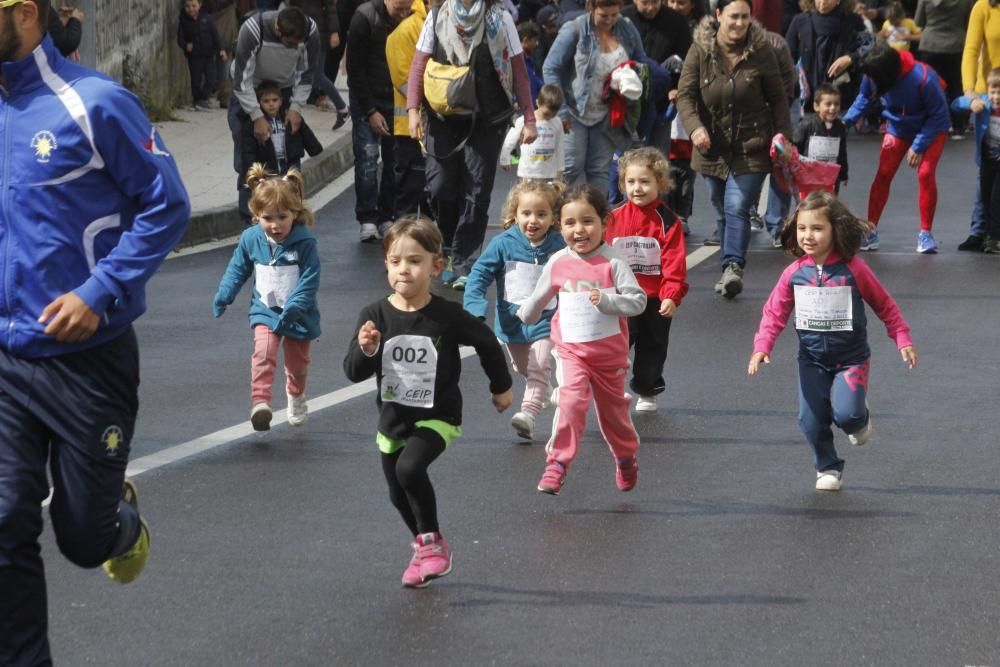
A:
{"points": [[369, 233], [298, 410], [828, 480], [524, 425], [646, 404]]}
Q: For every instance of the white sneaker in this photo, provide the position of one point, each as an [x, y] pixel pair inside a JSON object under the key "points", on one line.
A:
{"points": [[260, 417], [861, 437], [646, 404], [524, 425], [298, 410], [828, 480], [369, 233]]}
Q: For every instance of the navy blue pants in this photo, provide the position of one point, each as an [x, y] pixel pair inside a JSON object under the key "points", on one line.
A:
{"points": [[76, 412], [831, 396]]}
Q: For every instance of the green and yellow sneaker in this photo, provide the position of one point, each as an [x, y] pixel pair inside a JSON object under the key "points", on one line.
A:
{"points": [[125, 568]]}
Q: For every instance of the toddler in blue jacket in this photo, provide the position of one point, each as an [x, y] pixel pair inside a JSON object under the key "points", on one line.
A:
{"points": [[986, 111], [281, 254], [515, 259]]}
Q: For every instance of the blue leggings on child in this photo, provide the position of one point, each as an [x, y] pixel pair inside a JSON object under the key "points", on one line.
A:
{"points": [[831, 396]]}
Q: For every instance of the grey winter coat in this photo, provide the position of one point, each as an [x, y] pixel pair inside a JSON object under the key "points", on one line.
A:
{"points": [[741, 110]]}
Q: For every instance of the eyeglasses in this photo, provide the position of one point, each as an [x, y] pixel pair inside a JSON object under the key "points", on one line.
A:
{"points": [[10, 3]]}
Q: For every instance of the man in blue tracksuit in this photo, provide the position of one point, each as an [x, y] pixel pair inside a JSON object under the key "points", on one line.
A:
{"points": [[90, 203]]}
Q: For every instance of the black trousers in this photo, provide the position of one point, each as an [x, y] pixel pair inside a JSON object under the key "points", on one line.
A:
{"points": [[202, 71], [649, 334], [75, 412], [989, 184]]}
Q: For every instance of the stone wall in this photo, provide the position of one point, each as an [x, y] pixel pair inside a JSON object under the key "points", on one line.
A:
{"points": [[135, 41]]}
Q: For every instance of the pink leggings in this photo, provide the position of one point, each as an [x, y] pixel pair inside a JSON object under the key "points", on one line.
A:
{"points": [[533, 361], [892, 153], [265, 359]]}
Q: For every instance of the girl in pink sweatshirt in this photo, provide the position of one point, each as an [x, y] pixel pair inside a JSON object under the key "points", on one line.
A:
{"points": [[597, 294], [828, 286]]}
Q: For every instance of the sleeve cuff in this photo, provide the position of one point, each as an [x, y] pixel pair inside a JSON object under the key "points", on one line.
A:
{"points": [[95, 295]]}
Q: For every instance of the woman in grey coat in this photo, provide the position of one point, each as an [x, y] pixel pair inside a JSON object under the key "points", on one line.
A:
{"points": [[941, 43]]}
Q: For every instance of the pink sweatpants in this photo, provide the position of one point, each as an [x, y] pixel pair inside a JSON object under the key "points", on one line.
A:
{"points": [[265, 359], [890, 156], [533, 361], [578, 382]]}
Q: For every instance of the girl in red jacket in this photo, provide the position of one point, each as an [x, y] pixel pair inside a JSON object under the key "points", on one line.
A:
{"points": [[650, 238]]}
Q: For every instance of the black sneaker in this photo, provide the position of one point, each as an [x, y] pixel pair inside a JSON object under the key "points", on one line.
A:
{"points": [[756, 222], [713, 240], [973, 243]]}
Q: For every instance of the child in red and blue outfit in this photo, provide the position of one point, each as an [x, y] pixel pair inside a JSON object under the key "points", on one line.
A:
{"points": [[651, 239], [918, 120], [828, 287]]}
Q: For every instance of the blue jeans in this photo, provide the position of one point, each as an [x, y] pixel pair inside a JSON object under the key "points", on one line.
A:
{"points": [[830, 396], [977, 226], [321, 82], [588, 152], [778, 203], [732, 199], [374, 196]]}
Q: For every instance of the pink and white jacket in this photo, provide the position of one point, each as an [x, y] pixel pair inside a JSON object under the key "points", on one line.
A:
{"points": [[568, 271], [832, 348]]}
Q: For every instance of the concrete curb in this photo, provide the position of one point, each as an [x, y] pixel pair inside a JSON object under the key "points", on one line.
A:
{"points": [[224, 221]]}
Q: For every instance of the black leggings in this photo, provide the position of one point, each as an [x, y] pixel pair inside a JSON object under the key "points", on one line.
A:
{"points": [[410, 489]]}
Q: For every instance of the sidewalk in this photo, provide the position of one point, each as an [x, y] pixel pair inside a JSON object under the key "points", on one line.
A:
{"points": [[203, 149]]}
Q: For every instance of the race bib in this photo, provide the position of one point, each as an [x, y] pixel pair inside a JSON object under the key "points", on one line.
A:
{"points": [[519, 280], [275, 284], [641, 252], [409, 370], [581, 322], [824, 149], [823, 308]]}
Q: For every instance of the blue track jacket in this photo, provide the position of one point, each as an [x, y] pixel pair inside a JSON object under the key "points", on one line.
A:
{"points": [[90, 201], [299, 318], [915, 105], [511, 246], [981, 120]]}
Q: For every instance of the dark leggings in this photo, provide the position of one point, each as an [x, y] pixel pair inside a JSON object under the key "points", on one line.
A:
{"points": [[410, 489]]}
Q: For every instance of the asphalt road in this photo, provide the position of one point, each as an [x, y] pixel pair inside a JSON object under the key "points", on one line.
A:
{"points": [[282, 548]]}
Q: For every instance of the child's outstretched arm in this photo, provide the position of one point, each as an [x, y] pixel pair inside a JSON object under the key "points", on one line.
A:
{"points": [[532, 309], [773, 319], [361, 360], [491, 356], [239, 269], [486, 269], [876, 296]]}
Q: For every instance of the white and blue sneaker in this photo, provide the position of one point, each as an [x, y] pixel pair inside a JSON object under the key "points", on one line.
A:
{"points": [[871, 243], [926, 243]]}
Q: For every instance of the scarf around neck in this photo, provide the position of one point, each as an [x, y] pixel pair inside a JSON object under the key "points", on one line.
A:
{"points": [[459, 31]]}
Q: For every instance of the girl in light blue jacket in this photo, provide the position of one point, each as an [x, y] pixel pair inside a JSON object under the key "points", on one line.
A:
{"points": [[515, 259], [281, 254]]}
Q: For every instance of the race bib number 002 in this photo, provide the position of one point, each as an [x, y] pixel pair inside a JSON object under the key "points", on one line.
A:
{"points": [[823, 308], [409, 370]]}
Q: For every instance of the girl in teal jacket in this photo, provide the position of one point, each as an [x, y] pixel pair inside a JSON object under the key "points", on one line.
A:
{"points": [[514, 260], [281, 253]]}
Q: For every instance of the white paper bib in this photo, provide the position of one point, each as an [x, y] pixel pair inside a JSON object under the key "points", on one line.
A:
{"points": [[581, 322], [275, 284], [641, 252], [823, 308], [409, 370], [824, 149], [519, 280]]}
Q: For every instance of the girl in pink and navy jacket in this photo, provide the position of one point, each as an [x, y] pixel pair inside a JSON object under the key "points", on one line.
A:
{"points": [[828, 287], [597, 293]]}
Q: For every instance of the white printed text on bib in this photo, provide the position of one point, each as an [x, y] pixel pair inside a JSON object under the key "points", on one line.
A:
{"points": [[824, 149]]}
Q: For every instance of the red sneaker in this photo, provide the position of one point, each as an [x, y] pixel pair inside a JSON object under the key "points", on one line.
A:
{"points": [[435, 556], [553, 478], [628, 474]]}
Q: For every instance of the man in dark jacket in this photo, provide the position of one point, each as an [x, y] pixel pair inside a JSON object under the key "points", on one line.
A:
{"points": [[371, 111], [664, 32]]}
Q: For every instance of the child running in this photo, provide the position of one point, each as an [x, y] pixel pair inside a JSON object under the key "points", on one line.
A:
{"points": [[542, 159], [281, 254], [651, 239], [828, 286], [515, 260], [409, 341], [596, 291]]}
